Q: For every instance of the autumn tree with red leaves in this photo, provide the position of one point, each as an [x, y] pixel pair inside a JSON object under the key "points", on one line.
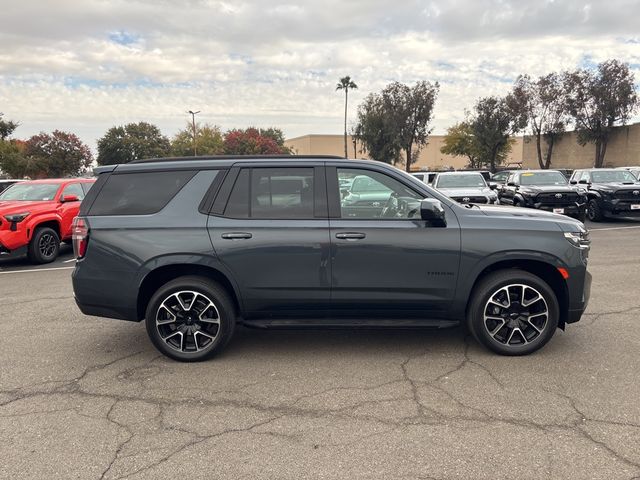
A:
{"points": [[254, 141]]}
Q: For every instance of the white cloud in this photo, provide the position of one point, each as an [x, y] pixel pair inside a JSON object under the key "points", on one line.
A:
{"points": [[86, 66]]}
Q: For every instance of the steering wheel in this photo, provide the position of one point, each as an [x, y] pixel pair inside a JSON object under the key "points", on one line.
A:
{"points": [[390, 209]]}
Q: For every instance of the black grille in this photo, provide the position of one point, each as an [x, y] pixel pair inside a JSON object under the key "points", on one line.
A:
{"points": [[628, 194], [553, 198], [471, 199]]}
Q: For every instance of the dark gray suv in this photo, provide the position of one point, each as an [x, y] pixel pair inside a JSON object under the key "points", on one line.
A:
{"points": [[196, 246]]}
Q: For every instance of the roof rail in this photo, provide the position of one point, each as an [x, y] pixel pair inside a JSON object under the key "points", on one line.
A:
{"points": [[235, 157]]}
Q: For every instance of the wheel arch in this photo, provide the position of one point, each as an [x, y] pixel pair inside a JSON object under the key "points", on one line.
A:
{"points": [[157, 277], [543, 269], [52, 223]]}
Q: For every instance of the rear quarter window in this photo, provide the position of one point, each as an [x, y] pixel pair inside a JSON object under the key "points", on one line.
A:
{"points": [[139, 193]]}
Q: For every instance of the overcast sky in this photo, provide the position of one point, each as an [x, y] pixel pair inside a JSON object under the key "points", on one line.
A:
{"points": [[84, 66]]}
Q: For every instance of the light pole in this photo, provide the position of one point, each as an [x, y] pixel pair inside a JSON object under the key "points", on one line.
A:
{"points": [[193, 122]]}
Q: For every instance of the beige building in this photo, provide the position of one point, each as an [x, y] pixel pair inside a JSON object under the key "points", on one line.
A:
{"points": [[623, 149]]}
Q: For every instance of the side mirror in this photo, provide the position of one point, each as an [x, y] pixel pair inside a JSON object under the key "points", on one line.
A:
{"points": [[69, 198], [573, 182], [432, 211], [583, 182], [493, 185], [511, 184]]}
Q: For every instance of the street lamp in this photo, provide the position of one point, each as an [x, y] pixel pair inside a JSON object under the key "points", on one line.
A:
{"points": [[193, 122]]}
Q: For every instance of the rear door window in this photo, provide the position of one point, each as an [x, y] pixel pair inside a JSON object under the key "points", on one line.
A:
{"points": [[272, 193], [139, 193]]}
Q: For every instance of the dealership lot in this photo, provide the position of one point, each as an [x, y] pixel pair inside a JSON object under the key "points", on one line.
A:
{"points": [[83, 397]]}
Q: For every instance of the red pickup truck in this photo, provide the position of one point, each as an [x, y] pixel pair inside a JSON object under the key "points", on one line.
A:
{"points": [[36, 215]]}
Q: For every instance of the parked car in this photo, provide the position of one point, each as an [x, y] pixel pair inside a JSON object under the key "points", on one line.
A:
{"points": [[545, 190], [6, 183], [611, 192], [465, 187], [36, 215], [634, 170], [194, 247], [426, 177]]}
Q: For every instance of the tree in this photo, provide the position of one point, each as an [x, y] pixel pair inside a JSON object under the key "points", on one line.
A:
{"points": [[345, 84], [130, 142], [7, 127], [460, 141], [397, 120], [543, 104], [253, 141], [12, 160], [373, 132], [59, 154], [598, 100], [208, 138], [492, 124]]}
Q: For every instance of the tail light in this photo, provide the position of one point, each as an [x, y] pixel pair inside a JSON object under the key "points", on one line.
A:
{"points": [[80, 233]]}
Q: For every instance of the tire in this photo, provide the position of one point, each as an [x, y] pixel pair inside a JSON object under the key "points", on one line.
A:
{"points": [[518, 330], [190, 319], [594, 212], [44, 246]]}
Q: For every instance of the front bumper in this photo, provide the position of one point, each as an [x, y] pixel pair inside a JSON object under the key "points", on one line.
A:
{"points": [[621, 207], [567, 209], [577, 307]]}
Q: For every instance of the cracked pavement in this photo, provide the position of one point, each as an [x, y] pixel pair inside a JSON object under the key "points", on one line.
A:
{"points": [[89, 398]]}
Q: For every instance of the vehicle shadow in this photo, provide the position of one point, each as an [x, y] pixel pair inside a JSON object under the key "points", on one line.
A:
{"points": [[66, 253]]}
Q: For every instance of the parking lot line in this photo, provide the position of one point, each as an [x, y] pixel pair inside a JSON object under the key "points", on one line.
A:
{"points": [[37, 270], [612, 228]]}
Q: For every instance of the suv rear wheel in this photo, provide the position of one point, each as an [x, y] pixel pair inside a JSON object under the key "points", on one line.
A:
{"points": [[190, 319], [44, 246], [513, 312]]}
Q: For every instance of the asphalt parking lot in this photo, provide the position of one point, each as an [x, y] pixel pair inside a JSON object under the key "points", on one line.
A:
{"points": [[88, 398]]}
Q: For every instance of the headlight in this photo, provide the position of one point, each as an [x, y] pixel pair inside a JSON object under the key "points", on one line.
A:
{"points": [[578, 239], [16, 217]]}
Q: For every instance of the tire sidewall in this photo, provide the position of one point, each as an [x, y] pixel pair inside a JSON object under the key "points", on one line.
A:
{"points": [[488, 287], [34, 248], [214, 292], [594, 213]]}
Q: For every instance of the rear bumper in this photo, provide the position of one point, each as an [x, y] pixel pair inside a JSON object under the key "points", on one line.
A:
{"points": [[100, 295], [107, 311]]}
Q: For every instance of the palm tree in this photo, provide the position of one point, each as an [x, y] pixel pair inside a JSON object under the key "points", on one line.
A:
{"points": [[345, 84]]}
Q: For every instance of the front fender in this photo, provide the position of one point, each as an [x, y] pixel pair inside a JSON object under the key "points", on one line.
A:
{"points": [[34, 221], [471, 269]]}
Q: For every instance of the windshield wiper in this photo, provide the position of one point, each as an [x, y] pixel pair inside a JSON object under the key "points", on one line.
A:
{"points": [[471, 205]]}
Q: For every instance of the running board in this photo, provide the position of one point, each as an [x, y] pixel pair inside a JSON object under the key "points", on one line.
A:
{"points": [[350, 323]]}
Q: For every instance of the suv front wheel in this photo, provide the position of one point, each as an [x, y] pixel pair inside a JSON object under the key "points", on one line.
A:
{"points": [[190, 319], [513, 312]]}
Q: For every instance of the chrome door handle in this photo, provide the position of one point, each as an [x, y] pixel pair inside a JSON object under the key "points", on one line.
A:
{"points": [[350, 236], [236, 235]]}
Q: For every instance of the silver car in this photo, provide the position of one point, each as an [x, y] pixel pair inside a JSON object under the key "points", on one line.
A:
{"points": [[465, 187]]}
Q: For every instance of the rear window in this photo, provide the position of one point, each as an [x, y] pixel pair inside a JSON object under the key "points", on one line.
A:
{"points": [[139, 193]]}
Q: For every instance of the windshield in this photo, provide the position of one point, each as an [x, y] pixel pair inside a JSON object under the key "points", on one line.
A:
{"points": [[610, 176], [542, 178], [30, 192], [461, 181]]}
